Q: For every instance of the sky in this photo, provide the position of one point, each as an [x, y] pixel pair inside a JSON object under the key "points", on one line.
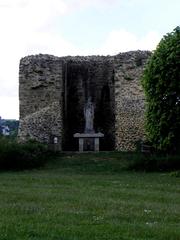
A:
{"points": [[75, 27]]}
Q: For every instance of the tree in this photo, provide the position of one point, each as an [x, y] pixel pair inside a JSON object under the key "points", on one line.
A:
{"points": [[161, 83]]}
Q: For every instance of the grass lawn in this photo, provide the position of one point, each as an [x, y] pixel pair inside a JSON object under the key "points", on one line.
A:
{"points": [[87, 197]]}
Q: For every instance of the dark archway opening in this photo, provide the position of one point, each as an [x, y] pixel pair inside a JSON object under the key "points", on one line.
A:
{"points": [[83, 79], [105, 119]]}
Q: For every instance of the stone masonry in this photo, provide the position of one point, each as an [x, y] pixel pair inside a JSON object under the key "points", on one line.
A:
{"points": [[129, 99], [53, 92], [40, 89]]}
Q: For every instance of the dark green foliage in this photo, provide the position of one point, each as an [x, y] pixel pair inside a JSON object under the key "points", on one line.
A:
{"points": [[14, 156], [155, 163], [161, 82]]}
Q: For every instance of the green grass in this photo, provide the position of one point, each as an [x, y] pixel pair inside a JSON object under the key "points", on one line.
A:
{"points": [[87, 197]]}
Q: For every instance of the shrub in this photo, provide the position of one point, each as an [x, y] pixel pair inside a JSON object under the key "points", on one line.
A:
{"points": [[155, 162], [161, 82], [15, 156]]}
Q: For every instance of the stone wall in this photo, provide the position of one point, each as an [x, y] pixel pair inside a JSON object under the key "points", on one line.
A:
{"points": [[129, 99], [53, 92], [43, 125], [40, 95]]}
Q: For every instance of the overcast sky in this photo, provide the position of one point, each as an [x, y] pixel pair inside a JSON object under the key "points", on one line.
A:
{"points": [[76, 27]]}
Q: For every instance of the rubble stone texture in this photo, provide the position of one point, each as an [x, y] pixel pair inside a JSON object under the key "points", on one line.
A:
{"points": [[53, 92]]}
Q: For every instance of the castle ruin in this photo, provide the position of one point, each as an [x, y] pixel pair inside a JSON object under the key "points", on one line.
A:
{"points": [[54, 90]]}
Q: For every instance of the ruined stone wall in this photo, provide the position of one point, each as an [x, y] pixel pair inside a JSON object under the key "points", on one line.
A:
{"points": [[43, 125], [129, 99], [53, 92], [40, 95]]}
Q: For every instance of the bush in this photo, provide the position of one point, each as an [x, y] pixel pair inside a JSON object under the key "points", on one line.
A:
{"points": [[161, 82], [15, 156], [155, 162]]}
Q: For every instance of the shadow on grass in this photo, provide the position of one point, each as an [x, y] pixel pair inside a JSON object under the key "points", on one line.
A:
{"points": [[92, 163], [113, 162]]}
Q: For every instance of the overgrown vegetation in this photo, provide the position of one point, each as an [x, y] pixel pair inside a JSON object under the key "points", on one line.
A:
{"points": [[161, 82], [155, 163], [15, 156]]}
